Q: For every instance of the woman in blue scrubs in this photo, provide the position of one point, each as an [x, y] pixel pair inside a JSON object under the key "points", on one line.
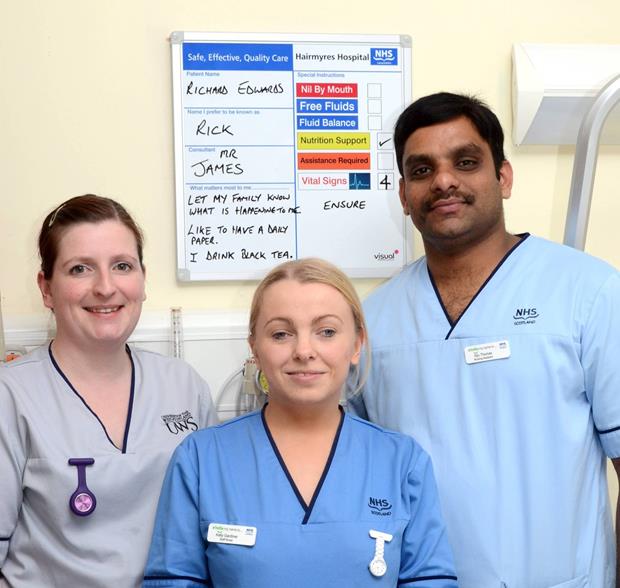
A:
{"points": [[299, 493]]}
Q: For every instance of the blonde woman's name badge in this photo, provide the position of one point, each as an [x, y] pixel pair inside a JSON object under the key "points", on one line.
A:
{"points": [[487, 352], [231, 534]]}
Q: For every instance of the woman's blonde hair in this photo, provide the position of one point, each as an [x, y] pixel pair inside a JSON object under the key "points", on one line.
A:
{"points": [[311, 270]]}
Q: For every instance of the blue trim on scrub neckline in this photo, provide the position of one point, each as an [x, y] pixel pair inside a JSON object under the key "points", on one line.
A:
{"points": [[307, 508], [131, 395], [190, 578], [523, 237], [423, 578], [123, 449], [607, 431]]}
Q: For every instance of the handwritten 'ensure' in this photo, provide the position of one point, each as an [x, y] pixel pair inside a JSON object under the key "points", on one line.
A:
{"points": [[244, 88]]}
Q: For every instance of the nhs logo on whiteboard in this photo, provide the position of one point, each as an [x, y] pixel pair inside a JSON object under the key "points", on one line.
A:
{"points": [[383, 56]]}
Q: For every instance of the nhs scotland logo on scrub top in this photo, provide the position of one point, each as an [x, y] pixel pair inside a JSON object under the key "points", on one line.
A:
{"points": [[380, 506], [525, 316], [383, 56]]}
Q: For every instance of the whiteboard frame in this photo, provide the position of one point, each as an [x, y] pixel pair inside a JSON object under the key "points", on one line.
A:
{"points": [[177, 38]]}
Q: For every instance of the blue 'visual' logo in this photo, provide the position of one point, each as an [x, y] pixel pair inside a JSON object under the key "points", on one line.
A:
{"points": [[383, 56]]}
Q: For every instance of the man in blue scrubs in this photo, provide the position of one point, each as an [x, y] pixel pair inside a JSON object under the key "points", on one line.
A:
{"points": [[500, 354]]}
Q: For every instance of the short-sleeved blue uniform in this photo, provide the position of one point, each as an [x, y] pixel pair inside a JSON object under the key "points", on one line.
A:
{"points": [[233, 474], [517, 403]]}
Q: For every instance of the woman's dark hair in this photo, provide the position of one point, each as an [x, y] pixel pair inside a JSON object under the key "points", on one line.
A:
{"points": [[81, 209]]}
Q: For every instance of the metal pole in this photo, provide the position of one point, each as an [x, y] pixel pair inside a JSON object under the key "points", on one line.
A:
{"points": [[584, 166]]}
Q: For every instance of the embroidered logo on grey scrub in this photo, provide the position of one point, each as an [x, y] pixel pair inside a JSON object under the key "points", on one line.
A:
{"points": [[525, 316], [380, 507], [180, 423]]}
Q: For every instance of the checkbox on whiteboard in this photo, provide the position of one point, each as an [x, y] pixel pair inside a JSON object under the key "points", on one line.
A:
{"points": [[374, 106], [374, 90], [385, 181], [375, 123], [385, 160], [384, 141]]}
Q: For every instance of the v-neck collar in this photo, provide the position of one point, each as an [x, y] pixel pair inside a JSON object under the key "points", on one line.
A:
{"points": [[123, 449], [307, 507], [453, 325]]}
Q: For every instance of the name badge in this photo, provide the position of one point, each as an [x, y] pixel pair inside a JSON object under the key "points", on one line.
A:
{"points": [[487, 352], [231, 534]]}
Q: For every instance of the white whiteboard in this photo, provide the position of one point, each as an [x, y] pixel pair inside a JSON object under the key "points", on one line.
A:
{"points": [[283, 149]]}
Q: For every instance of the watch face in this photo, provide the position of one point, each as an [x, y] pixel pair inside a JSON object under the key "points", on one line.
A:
{"points": [[83, 502], [378, 567]]}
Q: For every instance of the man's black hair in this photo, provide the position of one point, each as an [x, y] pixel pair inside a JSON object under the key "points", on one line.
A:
{"points": [[443, 107]]}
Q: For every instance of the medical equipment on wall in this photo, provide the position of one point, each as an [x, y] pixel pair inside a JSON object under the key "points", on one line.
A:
{"points": [[555, 85], [12, 352], [584, 165], [176, 327], [565, 95], [2, 347], [247, 385]]}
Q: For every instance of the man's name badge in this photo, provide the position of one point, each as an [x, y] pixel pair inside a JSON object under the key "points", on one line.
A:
{"points": [[487, 352], [231, 534]]}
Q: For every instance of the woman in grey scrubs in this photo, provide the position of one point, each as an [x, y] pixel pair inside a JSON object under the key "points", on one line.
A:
{"points": [[88, 422]]}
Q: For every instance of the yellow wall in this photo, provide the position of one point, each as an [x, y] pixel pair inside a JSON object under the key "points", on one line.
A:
{"points": [[85, 106]]}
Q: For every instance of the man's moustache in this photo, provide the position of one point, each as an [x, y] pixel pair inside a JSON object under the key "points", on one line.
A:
{"points": [[465, 198]]}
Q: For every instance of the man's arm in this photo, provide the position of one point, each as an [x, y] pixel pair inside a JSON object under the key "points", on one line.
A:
{"points": [[616, 463], [599, 350]]}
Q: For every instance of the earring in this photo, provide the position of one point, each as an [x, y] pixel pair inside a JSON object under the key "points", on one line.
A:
{"points": [[261, 383]]}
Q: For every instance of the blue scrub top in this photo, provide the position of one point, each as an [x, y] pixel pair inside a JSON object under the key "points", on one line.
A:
{"points": [[233, 474]]}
